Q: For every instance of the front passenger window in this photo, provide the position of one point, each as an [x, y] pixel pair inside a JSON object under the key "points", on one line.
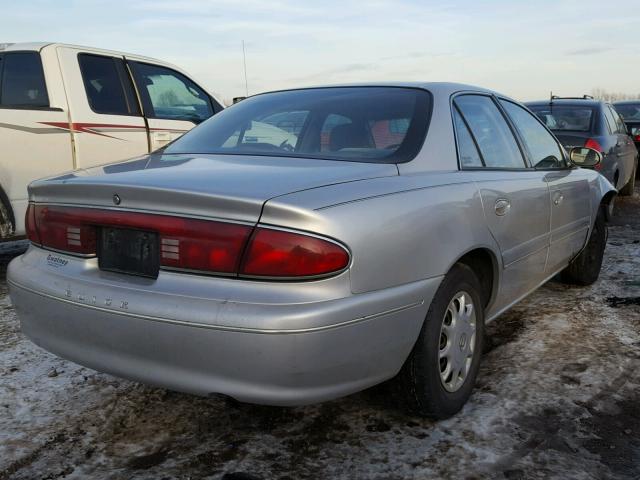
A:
{"points": [[170, 95], [542, 147]]}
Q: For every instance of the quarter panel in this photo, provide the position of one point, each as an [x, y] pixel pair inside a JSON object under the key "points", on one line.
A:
{"points": [[396, 237]]}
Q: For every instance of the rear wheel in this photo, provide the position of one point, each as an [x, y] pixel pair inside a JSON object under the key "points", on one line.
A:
{"points": [[627, 190], [6, 225], [438, 377], [585, 268]]}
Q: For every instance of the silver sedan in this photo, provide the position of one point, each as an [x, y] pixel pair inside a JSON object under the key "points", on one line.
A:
{"points": [[306, 244]]}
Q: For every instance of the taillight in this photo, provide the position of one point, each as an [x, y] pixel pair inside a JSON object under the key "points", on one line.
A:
{"points": [[276, 253], [30, 224], [636, 138], [201, 244], [192, 244], [65, 228], [591, 143]]}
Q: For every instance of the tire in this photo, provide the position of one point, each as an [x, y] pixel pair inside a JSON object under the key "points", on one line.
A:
{"points": [[585, 268], [420, 387], [627, 190], [6, 225]]}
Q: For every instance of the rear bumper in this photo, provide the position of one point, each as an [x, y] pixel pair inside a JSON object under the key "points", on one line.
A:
{"points": [[259, 342]]}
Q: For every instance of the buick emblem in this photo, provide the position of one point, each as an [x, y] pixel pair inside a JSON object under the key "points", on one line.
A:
{"points": [[116, 199]]}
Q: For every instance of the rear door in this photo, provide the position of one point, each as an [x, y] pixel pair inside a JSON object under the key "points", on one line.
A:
{"points": [[172, 102], [106, 122], [515, 198], [32, 109], [625, 149], [568, 187]]}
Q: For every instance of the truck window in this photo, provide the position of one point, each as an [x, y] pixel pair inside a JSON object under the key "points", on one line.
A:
{"points": [[170, 95], [23, 84], [108, 85]]}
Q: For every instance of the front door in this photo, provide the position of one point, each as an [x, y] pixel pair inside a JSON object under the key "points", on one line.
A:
{"points": [[568, 200], [570, 215], [173, 104]]}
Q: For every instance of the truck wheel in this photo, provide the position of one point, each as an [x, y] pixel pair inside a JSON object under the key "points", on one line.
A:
{"points": [[627, 190], [6, 225], [585, 268], [439, 375]]}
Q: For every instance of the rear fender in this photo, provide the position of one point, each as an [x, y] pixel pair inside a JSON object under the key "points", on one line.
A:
{"points": [[603, 194]]}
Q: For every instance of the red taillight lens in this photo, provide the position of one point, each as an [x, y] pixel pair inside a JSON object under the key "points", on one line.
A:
{"points": [[201, 244], [64, 228], [591, 143], [30, 224], [184, 242], [636, 138], [275, 253], [192, 244]]}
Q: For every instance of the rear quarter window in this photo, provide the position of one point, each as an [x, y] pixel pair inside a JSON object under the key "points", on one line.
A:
{"points": [[23, 83]]}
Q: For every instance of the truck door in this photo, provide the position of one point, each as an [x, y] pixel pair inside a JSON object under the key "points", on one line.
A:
{"points": [[105, 117], [172, 103], [32, 105]]}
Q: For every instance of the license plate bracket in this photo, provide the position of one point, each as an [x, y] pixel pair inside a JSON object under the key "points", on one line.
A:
{"points": [[130, 251]]}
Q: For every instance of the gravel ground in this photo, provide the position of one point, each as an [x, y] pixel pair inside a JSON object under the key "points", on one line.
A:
{"points": [[558, 397]]}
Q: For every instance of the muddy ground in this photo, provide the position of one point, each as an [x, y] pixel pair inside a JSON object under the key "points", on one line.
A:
{"points": [[558, 397]]}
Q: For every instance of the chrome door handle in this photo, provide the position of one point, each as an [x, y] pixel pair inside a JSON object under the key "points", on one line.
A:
{"points": [[558, 198], [502, 207]]}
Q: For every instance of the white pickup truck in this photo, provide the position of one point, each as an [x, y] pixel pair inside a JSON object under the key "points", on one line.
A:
{"points": [[65, 107]]}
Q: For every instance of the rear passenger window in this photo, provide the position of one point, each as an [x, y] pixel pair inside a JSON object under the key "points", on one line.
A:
{"points": [[543, 148], [108, 86], [497, 144], [467, 151], [23, 84]]}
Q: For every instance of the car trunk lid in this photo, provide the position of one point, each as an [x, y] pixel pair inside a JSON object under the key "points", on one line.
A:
{"points": [[573, 139], [220, 186]]}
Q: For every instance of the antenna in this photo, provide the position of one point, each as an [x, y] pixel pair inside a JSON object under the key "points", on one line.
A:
{"points": [[244, 59]]}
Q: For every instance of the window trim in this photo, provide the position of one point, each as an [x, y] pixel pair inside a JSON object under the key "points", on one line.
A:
{"points": [[455, 110], [145, 99], [46, 107], [525, 160], [616, 117], [120, 78], [567, 163]]}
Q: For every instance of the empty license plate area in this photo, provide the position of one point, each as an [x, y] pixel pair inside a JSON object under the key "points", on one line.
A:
{"points": [[129, 251]]}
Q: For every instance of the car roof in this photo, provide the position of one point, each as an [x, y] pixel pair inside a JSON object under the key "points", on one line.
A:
{"points": [[627, 102], [578, 102], [437, 88], [38, 46], [35, 46]]}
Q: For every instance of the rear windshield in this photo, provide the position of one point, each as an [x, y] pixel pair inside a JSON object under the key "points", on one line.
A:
{"points": [[565, 117], [363, 124], [630, 112]]}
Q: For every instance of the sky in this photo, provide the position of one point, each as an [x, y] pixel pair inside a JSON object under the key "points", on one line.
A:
{"points": [[524, 49]]}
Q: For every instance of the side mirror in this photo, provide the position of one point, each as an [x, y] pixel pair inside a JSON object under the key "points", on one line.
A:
{"points": [[585, 157]]}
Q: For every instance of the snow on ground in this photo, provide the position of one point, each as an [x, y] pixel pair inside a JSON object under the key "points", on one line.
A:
{"points": [[558, 397]]}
